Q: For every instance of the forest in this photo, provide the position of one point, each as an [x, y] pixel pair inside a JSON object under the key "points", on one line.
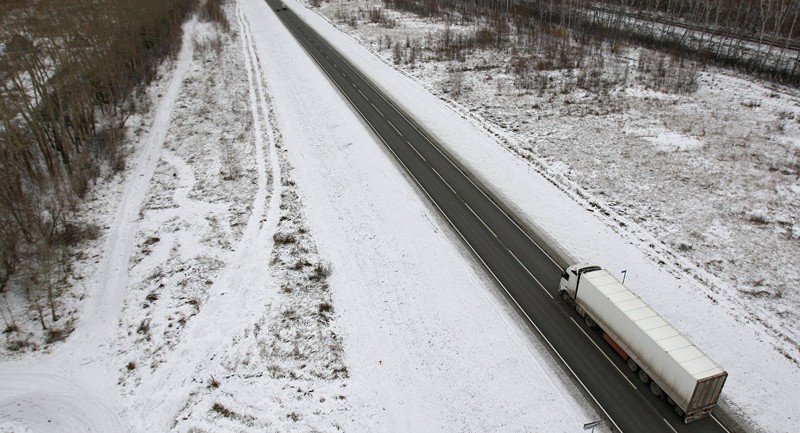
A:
{"points": [[758, 37], [71, 73]]}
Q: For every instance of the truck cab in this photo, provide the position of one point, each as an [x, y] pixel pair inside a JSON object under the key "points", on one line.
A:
{"points": [[570, 280]]}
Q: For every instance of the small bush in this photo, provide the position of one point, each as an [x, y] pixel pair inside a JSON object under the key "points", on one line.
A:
{"points": [[222, 410], [213, 382], [321, 271], [284, 238], [131, 365], [56, 334], [325, 307], [74, 234], [19, 345], [144, 327]]}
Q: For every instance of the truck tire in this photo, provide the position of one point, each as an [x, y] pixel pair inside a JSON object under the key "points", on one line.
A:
{"points": [[643, 376], [589, 322], [632, 365], [679, 411], [565, 296], [655, 389]]}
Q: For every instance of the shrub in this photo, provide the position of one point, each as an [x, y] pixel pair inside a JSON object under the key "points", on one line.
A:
{"points": [[284, 238], [222, 410], [321, 271]]}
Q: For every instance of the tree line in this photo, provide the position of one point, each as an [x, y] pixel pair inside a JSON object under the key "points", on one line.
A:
{"points": [[69, 73], [755, 36]]}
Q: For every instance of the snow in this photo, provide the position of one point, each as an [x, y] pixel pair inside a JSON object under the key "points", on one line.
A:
{"points": [[265, 264], [739, 313], [268, 266]]}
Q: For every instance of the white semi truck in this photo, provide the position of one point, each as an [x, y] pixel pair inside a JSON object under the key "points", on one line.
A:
{"points": [[674, 368]]}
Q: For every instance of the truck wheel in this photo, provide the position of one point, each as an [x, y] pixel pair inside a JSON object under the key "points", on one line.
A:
{"points": [[632, 365], [655, 389], [643, 376], [565, 296], [679, 411], [589, 322]]}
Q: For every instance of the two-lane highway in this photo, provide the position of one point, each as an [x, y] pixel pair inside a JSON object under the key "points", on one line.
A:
{"points": [[521, 267]]}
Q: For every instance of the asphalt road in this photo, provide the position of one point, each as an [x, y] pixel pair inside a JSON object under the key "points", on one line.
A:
{"points": [[522, 267]]}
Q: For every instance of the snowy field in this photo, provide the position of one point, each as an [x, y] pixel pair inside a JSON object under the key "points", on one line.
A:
{"points": [[264, 264], [695, 195]]}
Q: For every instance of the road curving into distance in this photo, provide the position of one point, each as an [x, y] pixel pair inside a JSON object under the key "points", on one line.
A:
{"points": [[522, 265]]}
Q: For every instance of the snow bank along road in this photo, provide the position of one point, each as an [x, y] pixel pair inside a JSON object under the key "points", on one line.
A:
{"points": [[520, 265]]}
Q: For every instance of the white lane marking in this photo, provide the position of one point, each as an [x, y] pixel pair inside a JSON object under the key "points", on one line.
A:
{"points": [[376, 109], [719, 423], [479, 219], [669, 425], [519, 307], [362, 93], [604, 354], [445, 182], [530, 273], [415, 150], [413, 124], [393, 127]]}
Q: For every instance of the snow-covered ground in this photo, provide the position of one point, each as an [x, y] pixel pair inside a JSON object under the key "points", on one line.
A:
{"points": [[230, 291], [266, 265], [696, 195]]}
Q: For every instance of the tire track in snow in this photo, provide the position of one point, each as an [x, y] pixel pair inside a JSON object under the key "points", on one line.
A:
{"points": [[245, 287]]}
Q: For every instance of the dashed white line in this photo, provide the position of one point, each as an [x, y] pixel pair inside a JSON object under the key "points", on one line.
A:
{"points": [[479, 219], [376, 109], [393, 127], [445, 182], [362, 93], [415, 150], [530, 274]]}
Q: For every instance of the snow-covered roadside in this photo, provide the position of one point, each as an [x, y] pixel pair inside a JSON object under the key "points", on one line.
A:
{"points": [[716, 321], [429, 342], [387, 326]]}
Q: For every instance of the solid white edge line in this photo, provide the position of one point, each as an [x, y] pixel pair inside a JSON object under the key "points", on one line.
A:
{"points": [[719, 423], [519, 307], [400, 112], [604, 354], [669, 425]]}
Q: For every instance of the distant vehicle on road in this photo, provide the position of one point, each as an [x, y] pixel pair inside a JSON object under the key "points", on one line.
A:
{"points": [[673, 366], [282, 7]]}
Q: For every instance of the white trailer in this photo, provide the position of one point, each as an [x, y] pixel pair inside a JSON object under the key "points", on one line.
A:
{"points": [[673, 366]]}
